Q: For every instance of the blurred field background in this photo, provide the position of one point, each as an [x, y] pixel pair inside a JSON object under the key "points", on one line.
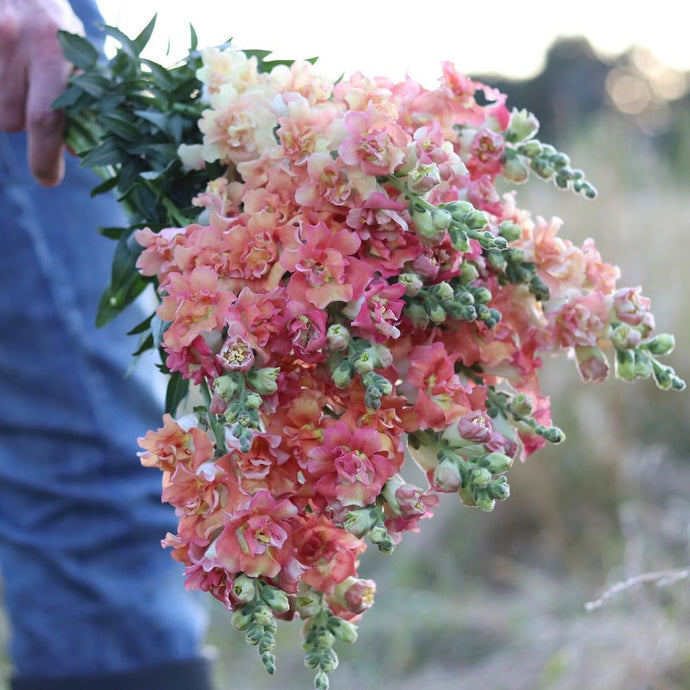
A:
{"points": [[497, 601]]}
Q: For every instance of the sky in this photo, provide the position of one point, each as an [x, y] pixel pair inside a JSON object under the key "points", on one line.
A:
{"points": [[402, 37]]}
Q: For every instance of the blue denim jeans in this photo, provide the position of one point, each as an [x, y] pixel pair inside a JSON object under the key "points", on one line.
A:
{"points": [[87, 587]]}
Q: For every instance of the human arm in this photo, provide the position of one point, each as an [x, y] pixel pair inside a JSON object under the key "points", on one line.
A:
{"points": [[33, 73]]}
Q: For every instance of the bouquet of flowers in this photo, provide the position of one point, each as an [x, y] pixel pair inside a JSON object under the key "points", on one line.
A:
{"points": [[348, 292]]}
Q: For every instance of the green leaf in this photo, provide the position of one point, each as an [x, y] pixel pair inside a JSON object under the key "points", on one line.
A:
{"points": [[113, 233], [106, 153], [177, 391], [142, 327], [193, 39], [124, 261], [129, 47], [113, 302], [145, 344], [104, 186], [94, 84], [143, 38], [121, 126], [77, 50], [160, 73]]}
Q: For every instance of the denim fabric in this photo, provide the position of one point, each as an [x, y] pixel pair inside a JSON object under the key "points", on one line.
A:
{"points": [[87, 587]]}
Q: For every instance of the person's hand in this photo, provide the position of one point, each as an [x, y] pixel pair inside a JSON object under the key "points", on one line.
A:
{"points": [[33, 73]]}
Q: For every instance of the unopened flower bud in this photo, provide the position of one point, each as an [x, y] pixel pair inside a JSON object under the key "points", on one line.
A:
{"points": [[521, 405], [476, 220], [468, 272], [264, 381], [225, 387], [361, 520], [263, 615], [343, 374], [254, 634], [523, 125], [497, 463], [241, 620], [343, 630], [424, 224], [244, 588], [443, 292], [661, 344], [625, 337], [484, 501], [643, 365], [308, 603], [447, 477], [276, 599], [516, 169], [252, 401], [338, 337], [625, 365], [417, 314], [459, 209], [437, 314], [552, 434], [441, 218], [481, 477], [500, 490], [413, 283], [364, 363], [509, 230]]}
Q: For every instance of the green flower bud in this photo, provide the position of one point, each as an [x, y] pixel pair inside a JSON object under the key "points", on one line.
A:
{"points": [[468, 272], [437, 314], [225, 387], [560, 160], [361, 520], [499, 489], [625, 365], [459, 240], [308, 603], [459, 209], [324, 638], [425, 227], [269, 662], [244, 588], [413, 283], [543, 168], [476, 220], [509, 230], [447, 476], [321, 680], [552, 434], [264, 381], [443, 292], [466, 495], [329, 660], [643, 365], [263, 615], [522, 405], [417, 314], [516, 169], [276, 599], [254, 634], [496, 463], [343, 630], [441, 219], [523, 125], [338, 337], [240, 620], [313, 660], [481, 477], [364, 363], [625, 337], [343, 374], [531, 149], [252, 400], [661, 344], [484, 501]]}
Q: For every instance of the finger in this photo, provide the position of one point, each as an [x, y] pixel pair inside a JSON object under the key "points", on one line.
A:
{"points": [[13, 77], [45, 126]]}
